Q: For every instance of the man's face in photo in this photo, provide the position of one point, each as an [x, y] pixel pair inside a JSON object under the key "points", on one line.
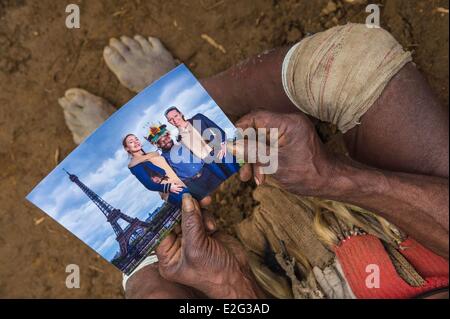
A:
{"points": [[165, 142]]}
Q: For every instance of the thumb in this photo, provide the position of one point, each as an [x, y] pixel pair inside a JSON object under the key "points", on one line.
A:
{"points": [[192, 226]]}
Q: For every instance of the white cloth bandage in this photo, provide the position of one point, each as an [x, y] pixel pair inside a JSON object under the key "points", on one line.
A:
{"points": [[338, 74], [151, 259]]}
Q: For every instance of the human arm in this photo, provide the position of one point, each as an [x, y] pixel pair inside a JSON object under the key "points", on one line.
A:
{"points": [[143, 173], [417, 204], [214, 129], [210, 124]]}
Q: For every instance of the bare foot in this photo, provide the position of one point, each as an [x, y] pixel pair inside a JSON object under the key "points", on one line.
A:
{"points": [[137, 62], [84, 112]]}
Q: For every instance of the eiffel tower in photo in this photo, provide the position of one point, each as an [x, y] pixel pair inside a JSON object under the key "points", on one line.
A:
{"points": [[135, 228]]}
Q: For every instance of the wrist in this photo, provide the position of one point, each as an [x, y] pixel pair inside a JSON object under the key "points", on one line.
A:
{"points": [[347, 178], [323, 178]]}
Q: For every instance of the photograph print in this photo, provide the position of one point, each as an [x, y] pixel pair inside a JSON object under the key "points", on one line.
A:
{"points": [[120, 191]]}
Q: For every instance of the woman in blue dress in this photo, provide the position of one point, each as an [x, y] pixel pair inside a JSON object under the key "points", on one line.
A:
{"points": [[152, 170]]}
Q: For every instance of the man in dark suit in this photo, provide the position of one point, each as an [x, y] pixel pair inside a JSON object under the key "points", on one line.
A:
{"points": [[204, 138]]}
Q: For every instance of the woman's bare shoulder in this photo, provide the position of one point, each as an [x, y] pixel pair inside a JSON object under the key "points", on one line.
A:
{"points": [[153, 154]]}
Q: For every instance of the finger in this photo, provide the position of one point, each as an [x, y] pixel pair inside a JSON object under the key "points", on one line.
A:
{"points": [[164, 246], [264, 122], [257, 119], [245, 150], [173, 250], [177, 229], [170, 256], [176, 247], [206, 201], [233, 245], [258, 175], [246, 172], [249, 151], [209, 222], [192, 222]]}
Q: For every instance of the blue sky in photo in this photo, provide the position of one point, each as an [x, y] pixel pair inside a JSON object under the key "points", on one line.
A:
{"points": [[101, 163]]}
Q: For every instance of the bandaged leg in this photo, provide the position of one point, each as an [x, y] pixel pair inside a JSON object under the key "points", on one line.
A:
{"points": [[337, 75]]}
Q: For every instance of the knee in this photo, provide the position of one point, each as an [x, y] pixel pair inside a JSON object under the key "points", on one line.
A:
{"points": [[338, 74]]}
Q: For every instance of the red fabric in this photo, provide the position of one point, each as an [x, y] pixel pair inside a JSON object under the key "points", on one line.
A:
{"points": [[358, 252], [427, 263]]}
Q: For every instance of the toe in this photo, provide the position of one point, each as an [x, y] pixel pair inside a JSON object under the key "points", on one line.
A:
{"points": [[145, 45], [121, 47], [156, 43], [71, 109], [71, 117], [89, 103], [78, 96], [112, 58], [132, 44], [64, 103]]}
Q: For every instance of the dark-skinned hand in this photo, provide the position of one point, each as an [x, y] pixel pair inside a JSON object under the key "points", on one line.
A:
{"points": [[304, 166], [213, 263]]}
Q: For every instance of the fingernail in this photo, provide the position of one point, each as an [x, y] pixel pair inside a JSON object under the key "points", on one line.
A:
{"points": [[211, 225], [188, 203], [257, 181], [107, 50]]}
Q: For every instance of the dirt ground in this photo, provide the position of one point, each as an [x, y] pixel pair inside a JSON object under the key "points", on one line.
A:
{"points": [[40, 58]]}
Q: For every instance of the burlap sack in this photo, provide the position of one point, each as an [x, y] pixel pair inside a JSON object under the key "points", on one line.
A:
{"points": [[279, 216], [283, 217]]}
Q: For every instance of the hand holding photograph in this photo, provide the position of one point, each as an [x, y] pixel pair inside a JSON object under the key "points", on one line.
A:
{"points": [[120, 191]]}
